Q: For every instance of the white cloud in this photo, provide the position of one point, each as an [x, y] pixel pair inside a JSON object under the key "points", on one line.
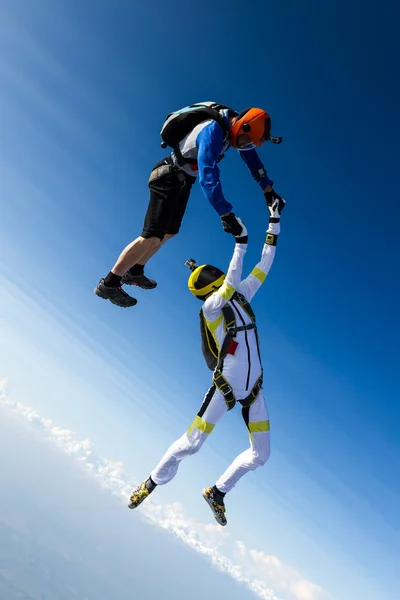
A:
{"points": [[255, 569], [284, 578]]}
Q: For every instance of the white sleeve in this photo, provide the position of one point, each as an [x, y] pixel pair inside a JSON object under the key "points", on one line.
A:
{"points": [[213, 305], [249, 286]]}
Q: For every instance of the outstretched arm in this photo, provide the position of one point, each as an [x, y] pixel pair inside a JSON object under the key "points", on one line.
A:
{"points": [[249, 286], [213, 305], [256, 168], [210, 142]]}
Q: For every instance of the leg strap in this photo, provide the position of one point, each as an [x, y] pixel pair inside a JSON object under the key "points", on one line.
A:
{"points": [[166, 169], [248, 401], [225, 389]]}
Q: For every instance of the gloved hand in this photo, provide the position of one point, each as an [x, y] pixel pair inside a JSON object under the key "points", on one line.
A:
{"points": [[232, 224], [274, 227], [270, 196], [275, 209]]}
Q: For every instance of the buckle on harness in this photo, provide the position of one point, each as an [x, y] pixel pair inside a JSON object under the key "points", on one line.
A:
{"points": [[225, 391], [181, 178], [229, 398]]}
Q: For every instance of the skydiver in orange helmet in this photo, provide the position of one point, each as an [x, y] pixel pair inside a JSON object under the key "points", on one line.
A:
{"points": [[199, 136]]}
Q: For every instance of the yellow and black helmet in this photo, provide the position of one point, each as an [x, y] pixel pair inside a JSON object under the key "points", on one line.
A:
{"points": [[204, 280]]}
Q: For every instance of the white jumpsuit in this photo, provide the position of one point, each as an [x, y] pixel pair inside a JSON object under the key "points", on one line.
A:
{"points": [[241, 370]]}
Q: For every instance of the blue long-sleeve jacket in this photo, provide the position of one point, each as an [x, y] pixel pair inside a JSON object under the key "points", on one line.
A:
{"points": [[211, 144]]}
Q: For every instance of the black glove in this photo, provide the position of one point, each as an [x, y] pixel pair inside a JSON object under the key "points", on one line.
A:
{"points": [[271, 196], [232, 224]]}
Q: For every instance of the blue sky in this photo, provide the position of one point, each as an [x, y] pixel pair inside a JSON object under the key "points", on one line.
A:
{"points": [[84, 89]]}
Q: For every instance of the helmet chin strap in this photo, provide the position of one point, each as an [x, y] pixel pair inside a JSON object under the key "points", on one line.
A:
{"points": [[275, 140]]}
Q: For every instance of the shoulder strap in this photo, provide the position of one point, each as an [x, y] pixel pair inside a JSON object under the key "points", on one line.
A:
{"points": [[229, 316], [208, 111], [245, 305], [230, 327], [209, 348]]}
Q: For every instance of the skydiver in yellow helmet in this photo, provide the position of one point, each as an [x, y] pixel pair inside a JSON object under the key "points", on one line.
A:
{"points": [[230, 346]]}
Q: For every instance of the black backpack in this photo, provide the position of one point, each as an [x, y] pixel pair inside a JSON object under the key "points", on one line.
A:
{"points": [[180, 123], [208, 345]]}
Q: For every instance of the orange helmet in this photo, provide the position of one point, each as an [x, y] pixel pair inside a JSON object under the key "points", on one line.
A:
{"points": [[251, 129]]}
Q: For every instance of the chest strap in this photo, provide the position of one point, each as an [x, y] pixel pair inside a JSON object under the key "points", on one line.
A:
{"points": [[231, 330], [241, 328]]}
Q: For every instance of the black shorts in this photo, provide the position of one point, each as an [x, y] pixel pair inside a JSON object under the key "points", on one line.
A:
{"points": [[169, 195]]}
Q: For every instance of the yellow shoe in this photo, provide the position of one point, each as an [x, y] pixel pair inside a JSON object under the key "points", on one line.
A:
{"points": [[216, 503], [139, 494]]}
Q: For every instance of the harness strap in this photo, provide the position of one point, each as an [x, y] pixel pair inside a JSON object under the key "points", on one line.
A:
{"points": [[245, 304], [231, 330], [164, 170], [230, 323], [248, 401], [160, 172], [226, 390], [241, 328], [181, 160], [221, 122]]}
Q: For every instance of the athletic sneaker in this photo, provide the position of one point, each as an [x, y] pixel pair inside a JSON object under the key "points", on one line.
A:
{"points": [[116, 295], [216, 503], [137, 496], [140, 280]]}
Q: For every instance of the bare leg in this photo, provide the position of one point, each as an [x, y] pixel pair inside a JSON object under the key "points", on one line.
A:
{"points": [[134, 253], [152, 251]]}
